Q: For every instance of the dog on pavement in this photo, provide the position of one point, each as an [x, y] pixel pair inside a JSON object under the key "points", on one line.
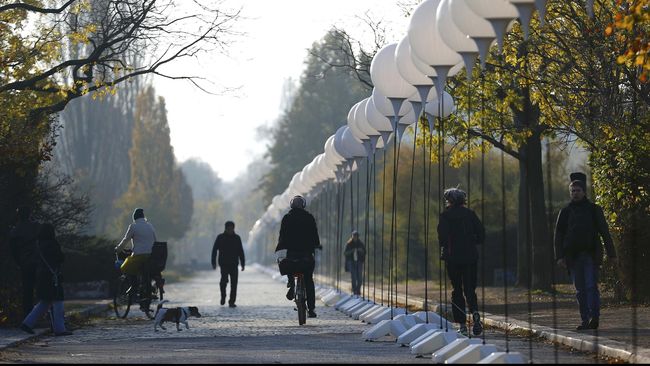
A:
{"points": [[177, 315]]}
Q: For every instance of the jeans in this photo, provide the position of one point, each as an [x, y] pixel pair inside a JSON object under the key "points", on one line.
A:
{"points": [[584, 273], [233, 272], [463, 280], [41, 308], [356, 270]]}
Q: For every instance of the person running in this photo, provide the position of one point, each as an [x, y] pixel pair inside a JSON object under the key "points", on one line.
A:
{"points": [[299, 236], [231, 251], [355, 254], [578, 247], [49, 289], [459, 232], [141, 235]]}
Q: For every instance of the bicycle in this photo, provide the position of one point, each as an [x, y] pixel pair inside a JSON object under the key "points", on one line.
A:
{"points": [[150, 283], [296, 268]]}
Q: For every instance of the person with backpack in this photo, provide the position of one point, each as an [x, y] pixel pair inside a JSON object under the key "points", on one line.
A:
{"points": [[578, 231], [459, 232]]}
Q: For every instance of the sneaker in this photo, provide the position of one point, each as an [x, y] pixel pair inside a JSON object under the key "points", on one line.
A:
{"points": [[583, 326], [477, 328], [66, 333], [593, 323], [290, 293], [26, 328], [311, 314], [223, 299], [463, 330]]}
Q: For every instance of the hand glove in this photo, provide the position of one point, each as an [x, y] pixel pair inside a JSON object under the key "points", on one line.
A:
{"points": [[443, 253], [242, 268]]}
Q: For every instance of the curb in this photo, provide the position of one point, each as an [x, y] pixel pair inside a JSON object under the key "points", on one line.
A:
{"points": [[89, 311], [577, 341]]}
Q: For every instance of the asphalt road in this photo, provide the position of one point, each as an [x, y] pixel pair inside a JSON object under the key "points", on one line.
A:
{"points": [[262, 329]]}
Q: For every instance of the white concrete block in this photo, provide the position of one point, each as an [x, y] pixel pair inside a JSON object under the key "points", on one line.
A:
{"points": [[342, 301], [426, 335], [384, 328], [446, 352], [332, 298], [434, 342], [371, 311], [358, 311], [414, 333], [473, 353], [503, 357], [386, 314], [351, 303]]}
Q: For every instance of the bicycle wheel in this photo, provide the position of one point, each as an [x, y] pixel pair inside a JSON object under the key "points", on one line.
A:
{"points": [[122, 300], [300, 301]]}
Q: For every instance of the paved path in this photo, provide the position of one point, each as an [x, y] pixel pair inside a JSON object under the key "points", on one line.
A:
{"points": [[262, 329]]}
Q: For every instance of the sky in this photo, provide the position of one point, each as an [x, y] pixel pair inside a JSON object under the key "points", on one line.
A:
{"points": [[222, 130]]}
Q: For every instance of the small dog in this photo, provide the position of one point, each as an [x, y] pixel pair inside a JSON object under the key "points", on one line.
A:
{"points": [[178, 315]]}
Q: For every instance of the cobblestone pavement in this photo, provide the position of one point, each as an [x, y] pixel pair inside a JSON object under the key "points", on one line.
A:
{"points": [[263, 328]]}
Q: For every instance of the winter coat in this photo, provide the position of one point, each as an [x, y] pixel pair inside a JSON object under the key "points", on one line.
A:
{"points": [[459, 232], [231, 250], [51, 260], [23, 241], [579, 228], [349, 253], [298, 233]]}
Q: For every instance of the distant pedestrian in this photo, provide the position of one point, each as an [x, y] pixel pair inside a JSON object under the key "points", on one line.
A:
{"points": [[231, 251], [459, 232], [49, 289], [23, 240], [355, 255], [578, 247]]}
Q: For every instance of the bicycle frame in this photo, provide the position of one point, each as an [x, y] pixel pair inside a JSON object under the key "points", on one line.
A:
{"points": [[300, 297]]}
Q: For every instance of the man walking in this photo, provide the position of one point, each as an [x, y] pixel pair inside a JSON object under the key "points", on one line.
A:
{"points": [[578, 247], [355, 253], [230, 249], [23, 241]]}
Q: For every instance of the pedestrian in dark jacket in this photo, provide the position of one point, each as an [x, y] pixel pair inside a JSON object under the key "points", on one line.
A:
{"points": [[355, 255], [459, 232], [231, 252], [578, 247], [23, 239], [299, 236], [49, 289]]}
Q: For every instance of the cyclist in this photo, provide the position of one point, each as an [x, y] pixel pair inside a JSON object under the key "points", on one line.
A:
{"points": [[299, 236], [142, 235]]}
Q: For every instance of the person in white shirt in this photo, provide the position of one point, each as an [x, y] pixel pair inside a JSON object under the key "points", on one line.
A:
{"points": [[141, 236]]}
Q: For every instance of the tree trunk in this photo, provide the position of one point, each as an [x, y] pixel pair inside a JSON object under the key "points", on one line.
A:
{"points": [[522, 223], [539, 233]]}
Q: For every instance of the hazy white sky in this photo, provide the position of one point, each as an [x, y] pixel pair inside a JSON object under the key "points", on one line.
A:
{"points": [[221, 130]]}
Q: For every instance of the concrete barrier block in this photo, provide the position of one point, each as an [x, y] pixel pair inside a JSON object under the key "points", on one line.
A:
{"points": [[434, 342], [503, 357], [473, 353], [414, 333], [446, 352]]}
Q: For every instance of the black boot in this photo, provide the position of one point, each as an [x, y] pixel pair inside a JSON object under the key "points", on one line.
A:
{"points": [[583, 326], [593, 323]]}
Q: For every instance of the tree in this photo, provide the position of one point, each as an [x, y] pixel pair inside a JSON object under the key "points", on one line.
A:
{"points": [[156, 184], [321, 103], [52, 52], [631, 27]]}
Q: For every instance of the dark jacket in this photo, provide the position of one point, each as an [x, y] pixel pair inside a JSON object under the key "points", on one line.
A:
{"points": [[350, 246], [459, 232], [230, 249], [51, 260], [298, 233], [23, 241], [578, 229]]}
